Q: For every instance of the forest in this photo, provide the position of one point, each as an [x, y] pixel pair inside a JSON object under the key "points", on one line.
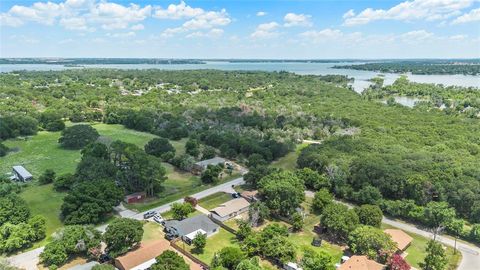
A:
{"points": [[371, 153], [425, 67]]}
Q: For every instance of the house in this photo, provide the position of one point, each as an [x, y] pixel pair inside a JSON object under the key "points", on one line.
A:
{"points": [[361, 263], [201, 166], [21, 174], [135, 197], [230, 209], [188, 228], [401, 238], [144, 256], [250, 195]]}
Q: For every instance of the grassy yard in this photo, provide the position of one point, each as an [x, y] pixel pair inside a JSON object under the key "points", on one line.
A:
{"points": [[151, 232], [416, 251], [289, 162], [42, 151], [214, 200], [214, 244]]}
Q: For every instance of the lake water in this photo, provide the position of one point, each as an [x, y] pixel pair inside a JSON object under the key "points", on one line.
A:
{"points": [[361, 77]]}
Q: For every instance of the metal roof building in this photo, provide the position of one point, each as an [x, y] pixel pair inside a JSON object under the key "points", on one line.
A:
{"points": [[21, 173]]}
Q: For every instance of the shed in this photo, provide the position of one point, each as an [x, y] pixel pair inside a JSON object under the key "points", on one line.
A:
{"points": [[21, 173], [135, 197]]}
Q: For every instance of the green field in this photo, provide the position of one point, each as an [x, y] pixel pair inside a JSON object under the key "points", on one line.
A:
{"points": [[214, 200], [42, 151], [289, 162]]}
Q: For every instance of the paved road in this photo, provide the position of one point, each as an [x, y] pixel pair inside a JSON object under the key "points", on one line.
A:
{"points": [[470, 253], [29, 260]]}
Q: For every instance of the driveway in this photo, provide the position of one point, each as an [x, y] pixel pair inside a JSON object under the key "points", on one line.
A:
{"points": [[470, 252]]}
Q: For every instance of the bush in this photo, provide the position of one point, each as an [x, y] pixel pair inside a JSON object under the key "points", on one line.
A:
{"points": [[321, 199], [78, 136], [369, 215], [64, 182], [55, 125], [160, 147], [47, 177], [3, 150]]}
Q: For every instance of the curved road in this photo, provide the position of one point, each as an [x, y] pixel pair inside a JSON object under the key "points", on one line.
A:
{"points": [[470, 252]]}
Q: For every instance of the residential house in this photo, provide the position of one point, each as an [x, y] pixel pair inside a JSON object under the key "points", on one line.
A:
{"points": [[250, 195], [361, 263], [21, 174], [230, 209], [188, 228], [401, 238], [201, 166]]}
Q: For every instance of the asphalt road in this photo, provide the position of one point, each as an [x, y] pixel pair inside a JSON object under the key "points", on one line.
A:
{"points": [[470, 252], [29, 260]]}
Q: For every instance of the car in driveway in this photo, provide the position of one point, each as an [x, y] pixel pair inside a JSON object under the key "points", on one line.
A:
{"points": [[159, 219], [149, 214]]}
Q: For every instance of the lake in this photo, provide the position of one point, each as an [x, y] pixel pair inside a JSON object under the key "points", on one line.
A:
{"points": [[361, 77]]}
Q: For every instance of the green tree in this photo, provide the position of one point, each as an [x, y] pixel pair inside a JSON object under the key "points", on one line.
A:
{"points": [[338, 220], [122, 234], [181, 210], [317, 260], [47, 177], [456, 228], [437, 215], [64, 182], [369, 215], [283, 192], [321, 199], [249, 264], [15, 236], [103, 267], [297, 221], [211, 174], [39, 226], [3, 150], [228, 257], [436, 258], [258, 212], [192, 147], [208, 152], [160, 147], [54, 254], [370, 241], [169, 260], [244, 229], [312, 179], [199, 242], [13, 209], [78, 136]]}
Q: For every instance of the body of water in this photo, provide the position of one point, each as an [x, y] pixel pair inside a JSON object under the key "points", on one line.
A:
{"points": [[361, 77]]}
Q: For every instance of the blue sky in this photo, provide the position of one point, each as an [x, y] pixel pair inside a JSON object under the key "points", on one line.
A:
{"points": [[241, 29]]}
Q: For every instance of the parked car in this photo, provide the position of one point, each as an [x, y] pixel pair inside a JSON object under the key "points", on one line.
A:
{"points": [[159, 219], [236, 195], [149, 214]]}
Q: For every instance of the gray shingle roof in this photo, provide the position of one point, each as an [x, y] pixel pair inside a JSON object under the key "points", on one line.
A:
{"points": [[192, 224]]}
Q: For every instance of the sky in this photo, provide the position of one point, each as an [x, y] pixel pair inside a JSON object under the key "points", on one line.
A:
{"points": [[279, 29]]}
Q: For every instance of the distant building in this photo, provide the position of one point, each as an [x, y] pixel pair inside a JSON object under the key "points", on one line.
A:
{"points": [[361, 263], [201, 166], [188, 228], [291, 266], [401, 238], [230, 209], [21, 174], [135, 197]]}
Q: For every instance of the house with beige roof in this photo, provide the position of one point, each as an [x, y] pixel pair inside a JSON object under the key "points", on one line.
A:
{"points": [[361, 263], [230, 209], [401, 238]]}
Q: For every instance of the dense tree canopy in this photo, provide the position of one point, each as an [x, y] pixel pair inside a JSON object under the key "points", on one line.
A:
{"points": [[78, 136], [122, 234], [282, 192]]}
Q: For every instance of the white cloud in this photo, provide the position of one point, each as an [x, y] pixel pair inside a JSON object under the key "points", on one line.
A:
{"points": [[213, 33], [261, 13], [180, 11], [266, 30], [77, 14], [410, 10], [172, 31], [65, 41], [122, 35], [349, 14], [137, 27], [292, 19], [472, 16], [417, 35], [322, 35], [24, 39]]}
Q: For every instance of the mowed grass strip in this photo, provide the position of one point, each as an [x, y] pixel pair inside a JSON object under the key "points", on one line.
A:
{"points": [[214, 200]]}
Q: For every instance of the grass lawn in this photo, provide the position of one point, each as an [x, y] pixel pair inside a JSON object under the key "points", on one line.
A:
{"points": [[416, 251], [289, 162], [42, 151], [169, 214], [214, 244], [214, 200], [152, 231]]}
